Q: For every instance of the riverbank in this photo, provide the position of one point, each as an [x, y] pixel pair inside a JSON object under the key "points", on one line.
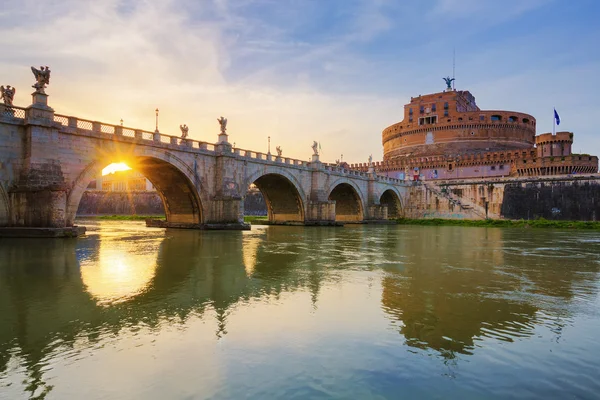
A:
{"points": [[503, 223], [121, 217], [247, 218], [496, 223]]}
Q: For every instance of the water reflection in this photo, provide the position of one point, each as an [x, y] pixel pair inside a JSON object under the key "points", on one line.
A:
{"points": [[444, 290]]}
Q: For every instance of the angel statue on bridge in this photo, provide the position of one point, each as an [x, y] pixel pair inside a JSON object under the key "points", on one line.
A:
{"points": [[315, 148], [223, 123], [184, 130], [42, 77], [448, 81], [8, 94], [279, 151]]}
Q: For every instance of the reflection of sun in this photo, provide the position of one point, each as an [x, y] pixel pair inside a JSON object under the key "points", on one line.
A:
{"points": [[114, 167], [118, 274], [250, 243]]}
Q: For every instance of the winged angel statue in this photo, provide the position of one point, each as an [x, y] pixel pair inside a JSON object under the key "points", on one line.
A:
{"points": [[42, 77], [7, 94]]}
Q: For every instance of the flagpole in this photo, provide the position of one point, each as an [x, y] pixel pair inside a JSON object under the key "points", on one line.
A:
{"points": [[554, 122]]}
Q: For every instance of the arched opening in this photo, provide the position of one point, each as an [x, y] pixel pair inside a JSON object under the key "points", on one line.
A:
{"points": [[120, 190], [137, 191], [348, 206], [282, 199], [392, 201]]}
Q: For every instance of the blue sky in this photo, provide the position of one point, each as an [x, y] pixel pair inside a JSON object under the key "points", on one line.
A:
{"points": [[335, 71]]}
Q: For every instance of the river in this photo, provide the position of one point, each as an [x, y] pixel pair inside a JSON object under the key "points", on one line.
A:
{"points": [[359, 312]]}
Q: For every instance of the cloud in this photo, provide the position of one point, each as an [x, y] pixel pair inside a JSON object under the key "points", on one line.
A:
{"points": [[337, 72]]}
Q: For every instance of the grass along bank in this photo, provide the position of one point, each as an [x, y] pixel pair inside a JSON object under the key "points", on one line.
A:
{"points": [[503, 223]]}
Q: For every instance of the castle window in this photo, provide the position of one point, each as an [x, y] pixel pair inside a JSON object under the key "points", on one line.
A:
{"points": [[501, 167], [433, 108], [421, 109], [445, 105], [493, 168], [446, 114], [410, 119], [512, 118], [472, 133], [428, 120], [496, 118], [410, 111], [482, 117], [525, 120], [460, 118]]}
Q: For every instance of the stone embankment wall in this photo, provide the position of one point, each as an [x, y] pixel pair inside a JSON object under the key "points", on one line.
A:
{"points": [[557, 197], [120, 203], [146, 203]]}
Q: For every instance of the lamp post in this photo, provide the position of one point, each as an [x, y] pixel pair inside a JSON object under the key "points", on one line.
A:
{"points": [[156, 130], [121, 121], [269, 145]]}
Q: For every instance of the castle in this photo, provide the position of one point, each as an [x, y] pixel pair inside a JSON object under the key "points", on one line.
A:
{"points": [[446, 135]]}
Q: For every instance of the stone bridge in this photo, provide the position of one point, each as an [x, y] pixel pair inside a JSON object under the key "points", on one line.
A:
{"points": [[47, 161]]}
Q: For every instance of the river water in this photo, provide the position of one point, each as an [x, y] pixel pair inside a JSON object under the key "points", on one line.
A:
{"points": [[360, 312]]}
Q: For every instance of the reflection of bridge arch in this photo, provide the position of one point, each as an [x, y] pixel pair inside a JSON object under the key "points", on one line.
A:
{"points": [[282, 192], [392, 199], [173, 179], [349, 201]]}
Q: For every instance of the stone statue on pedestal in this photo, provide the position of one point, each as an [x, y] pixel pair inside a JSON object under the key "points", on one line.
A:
{"points": [[370, 160], [223, 123], [279, 151], [184, 130], [8, 94], [42, 77], [315, 148]]}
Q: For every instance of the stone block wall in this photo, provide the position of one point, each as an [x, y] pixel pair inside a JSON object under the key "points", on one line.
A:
{"points": [[560, 198]]}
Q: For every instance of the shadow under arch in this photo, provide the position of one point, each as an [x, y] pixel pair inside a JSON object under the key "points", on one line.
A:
{"points": [[394, 205], [349, 204], [173, 179], [283, 196]]}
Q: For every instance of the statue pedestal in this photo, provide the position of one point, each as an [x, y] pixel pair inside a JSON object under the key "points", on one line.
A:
{"points": [[315, 158], [223, 138], [39, 112]]}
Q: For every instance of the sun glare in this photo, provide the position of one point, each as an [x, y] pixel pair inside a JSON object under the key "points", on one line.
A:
{"points": [[114, 167]]}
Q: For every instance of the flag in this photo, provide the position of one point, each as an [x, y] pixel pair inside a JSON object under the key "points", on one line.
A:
{"points": [[556, 117], [320, 142]]}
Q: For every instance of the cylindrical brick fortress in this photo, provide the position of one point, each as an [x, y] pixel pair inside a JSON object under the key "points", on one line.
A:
{"points": [[450, 123]]}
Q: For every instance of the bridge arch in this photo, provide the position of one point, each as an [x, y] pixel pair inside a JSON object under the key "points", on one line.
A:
{"points": [[393, 200], [282, 192], [349, 201], [174, 180]]}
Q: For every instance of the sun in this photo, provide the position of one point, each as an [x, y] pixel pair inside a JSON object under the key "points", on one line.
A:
{"points": [[114, 167]]}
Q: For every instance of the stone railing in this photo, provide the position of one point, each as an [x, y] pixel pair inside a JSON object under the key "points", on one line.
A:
{"points": [[131, 133], [12, 112], [257, 155]]}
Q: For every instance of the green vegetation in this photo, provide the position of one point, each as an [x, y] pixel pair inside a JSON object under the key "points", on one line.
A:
{"points": [[125, 217], [504, 223], [255, 218]]}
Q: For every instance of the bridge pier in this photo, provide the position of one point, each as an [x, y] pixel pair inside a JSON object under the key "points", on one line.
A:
{"points": [[321, 213]]}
